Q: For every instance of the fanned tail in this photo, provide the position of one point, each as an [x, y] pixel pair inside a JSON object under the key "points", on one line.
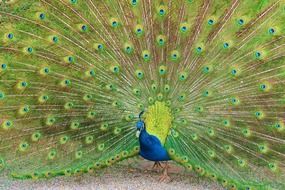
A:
{"points": [[74, 75]]}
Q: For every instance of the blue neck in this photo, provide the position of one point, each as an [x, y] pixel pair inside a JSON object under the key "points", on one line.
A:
{"points": [[143, 135], [151, 147]]}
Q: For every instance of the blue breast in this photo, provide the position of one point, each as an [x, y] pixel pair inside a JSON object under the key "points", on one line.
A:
{"points": [[151, 148]]}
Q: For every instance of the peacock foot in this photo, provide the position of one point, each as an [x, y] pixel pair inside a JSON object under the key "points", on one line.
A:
{"points": [[165, 177], [156, 166]]}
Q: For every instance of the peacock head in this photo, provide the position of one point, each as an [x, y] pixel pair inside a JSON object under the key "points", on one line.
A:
{"points": [[140, 125]]}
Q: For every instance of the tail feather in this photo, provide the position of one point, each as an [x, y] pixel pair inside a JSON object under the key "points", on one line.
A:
{"points": [[75, 74]]}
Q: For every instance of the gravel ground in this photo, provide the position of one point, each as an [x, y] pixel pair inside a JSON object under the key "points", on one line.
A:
{"points": [[127, 175]]}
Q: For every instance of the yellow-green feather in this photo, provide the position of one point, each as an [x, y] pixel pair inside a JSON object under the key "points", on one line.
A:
{"points": [[158, 119]]}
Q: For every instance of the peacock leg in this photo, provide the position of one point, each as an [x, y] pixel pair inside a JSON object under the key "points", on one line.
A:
{"points": [[159, 165], [165, 177], [156, 165]]}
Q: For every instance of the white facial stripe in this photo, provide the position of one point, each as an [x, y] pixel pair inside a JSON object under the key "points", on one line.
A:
{"points": [[138, 133]]}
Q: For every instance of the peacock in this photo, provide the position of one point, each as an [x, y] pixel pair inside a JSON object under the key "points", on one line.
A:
{"points": [[85, 84]]}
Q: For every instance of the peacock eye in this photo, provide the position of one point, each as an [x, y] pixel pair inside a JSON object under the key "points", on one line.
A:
{"points": [[210, 22], [42, 16], [2, 95], [55, 39], [263, 86], [114, 24], [24, 84], [271, 30], [226, 45], [92, 73], [30, 49], [3, 66], [46, 70], [240, 21], [199, 49], [134, 2], [10, 36], [128, 48], [84, 27], [161, 12]]}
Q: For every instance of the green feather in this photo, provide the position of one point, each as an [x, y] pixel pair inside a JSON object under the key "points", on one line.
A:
{"points": [[210, 75]]}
